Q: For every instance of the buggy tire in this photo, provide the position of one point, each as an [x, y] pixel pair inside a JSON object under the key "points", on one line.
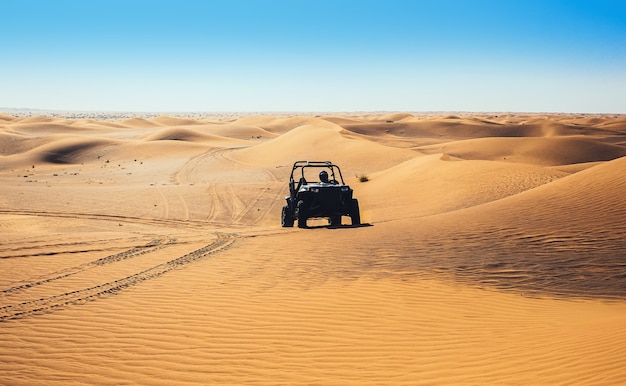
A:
{"points": [[302, 214], [355, 214], [286, 218], [334, 221]]}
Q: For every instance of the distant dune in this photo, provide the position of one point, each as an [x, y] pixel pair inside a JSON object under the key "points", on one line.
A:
{"points": [[148, 249]]}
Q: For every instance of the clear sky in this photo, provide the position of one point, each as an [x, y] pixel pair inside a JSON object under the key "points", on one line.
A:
{"points": [[314, 55]]}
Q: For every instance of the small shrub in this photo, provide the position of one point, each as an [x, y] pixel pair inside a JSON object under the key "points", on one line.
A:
{"points": [[363, 178]]}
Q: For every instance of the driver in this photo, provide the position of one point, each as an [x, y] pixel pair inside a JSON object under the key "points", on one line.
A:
{"points": [[324, 177]]}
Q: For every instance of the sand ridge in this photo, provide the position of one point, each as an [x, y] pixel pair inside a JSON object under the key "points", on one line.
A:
{"points": [[148, 250]]}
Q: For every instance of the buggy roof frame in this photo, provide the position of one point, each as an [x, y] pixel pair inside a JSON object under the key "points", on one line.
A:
{"points": [[317, 164]]}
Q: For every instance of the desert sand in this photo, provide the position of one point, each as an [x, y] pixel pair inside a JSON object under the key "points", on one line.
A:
{"points": [[150, 251]]}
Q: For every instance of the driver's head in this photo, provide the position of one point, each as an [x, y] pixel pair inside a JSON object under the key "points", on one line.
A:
{"points": [[324, 176]]}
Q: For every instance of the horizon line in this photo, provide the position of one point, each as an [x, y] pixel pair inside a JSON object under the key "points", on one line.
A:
{"points": [[25, 110]]}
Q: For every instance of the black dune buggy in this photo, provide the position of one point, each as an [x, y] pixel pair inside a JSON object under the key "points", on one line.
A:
{"points": [[317, 189]]}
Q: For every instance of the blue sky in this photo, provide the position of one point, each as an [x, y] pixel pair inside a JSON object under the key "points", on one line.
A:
{"points": [[314, 55]]}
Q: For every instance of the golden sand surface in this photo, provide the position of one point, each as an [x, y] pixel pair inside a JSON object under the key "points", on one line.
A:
{"points": [[150, 251]]}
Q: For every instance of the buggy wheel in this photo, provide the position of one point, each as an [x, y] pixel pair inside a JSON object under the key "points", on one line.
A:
{"points": [[334, 221], [355, 214], [302, 214], [286, 218]]}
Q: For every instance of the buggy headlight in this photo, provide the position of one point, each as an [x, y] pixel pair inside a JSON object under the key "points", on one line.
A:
{"points": [[315, 190], [345, 188]]}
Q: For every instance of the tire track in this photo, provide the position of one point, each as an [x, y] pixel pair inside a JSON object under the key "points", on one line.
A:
{"points": [[170, 203], [38, 245], [212, 193], [152, 246], [228, 205], [225, 204], [166, 206], [107, 217], [220, 196], [276, 196], [184, 205], [57, 252], [84, 295], [266, 193], [237, 204], [183, 174]]}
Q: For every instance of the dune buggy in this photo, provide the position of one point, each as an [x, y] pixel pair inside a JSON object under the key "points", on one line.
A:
{"points": [[317, 190]]}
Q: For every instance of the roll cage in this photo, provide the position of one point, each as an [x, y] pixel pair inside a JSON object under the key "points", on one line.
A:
{"points": [[298, 177]]}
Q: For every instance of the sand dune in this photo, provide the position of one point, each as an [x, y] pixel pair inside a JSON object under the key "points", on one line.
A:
{"points": [[541, 151], [6, 117], [71, 151], [437, 184], [56, 149], [281, 125], [150, 251], [181, 134], [343, 121], [324, 141], [171, 121], [549, 239], [11, 142], [91, 124], [45, 128], [591, 199], [36, 119], [236, 130], [139, 123], [463, 128], [615, 124]]}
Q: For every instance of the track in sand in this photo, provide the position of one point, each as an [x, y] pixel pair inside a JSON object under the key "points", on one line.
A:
{"points": [[71, 292]]}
